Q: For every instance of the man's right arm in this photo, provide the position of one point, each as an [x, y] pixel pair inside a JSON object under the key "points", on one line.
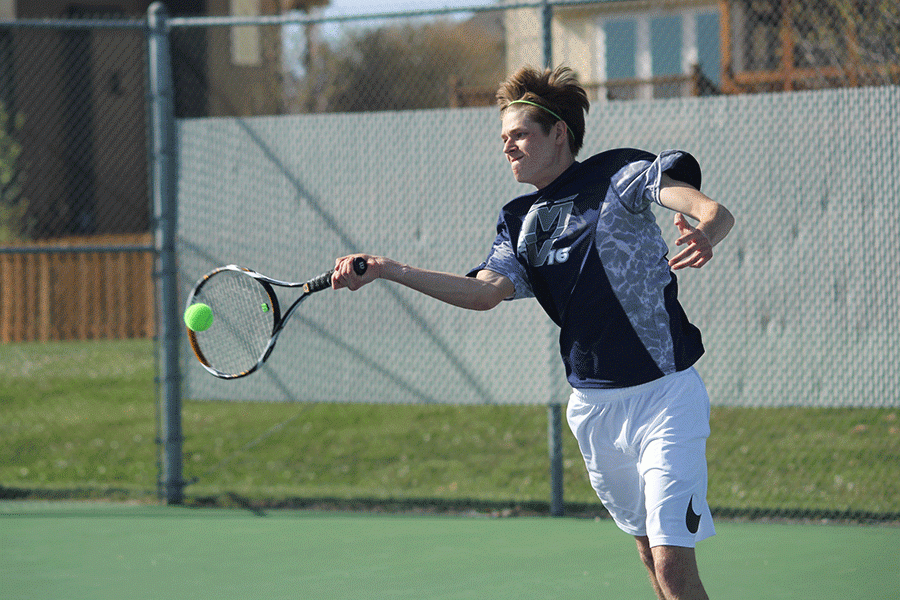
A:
{"points": [[482, 292]]}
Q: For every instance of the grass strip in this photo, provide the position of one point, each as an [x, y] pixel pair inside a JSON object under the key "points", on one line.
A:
{"points": [[80, 419]]}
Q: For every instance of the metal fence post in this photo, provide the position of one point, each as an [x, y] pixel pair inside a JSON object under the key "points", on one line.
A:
{"points": [[546, 33], [162, 160], [554, 410]]}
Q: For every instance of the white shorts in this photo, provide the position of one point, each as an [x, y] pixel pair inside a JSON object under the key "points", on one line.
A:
{"points": [[645, 452]]}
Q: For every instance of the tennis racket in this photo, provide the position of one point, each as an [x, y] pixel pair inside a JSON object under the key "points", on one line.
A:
{"points": [[247, 317]]}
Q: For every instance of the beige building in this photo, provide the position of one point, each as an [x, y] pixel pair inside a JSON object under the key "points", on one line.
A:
{"points": [[643, 49], [81, 96], [626, 49]]}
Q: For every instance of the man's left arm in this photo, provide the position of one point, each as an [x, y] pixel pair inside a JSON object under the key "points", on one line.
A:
{"points": [[714, 221]]}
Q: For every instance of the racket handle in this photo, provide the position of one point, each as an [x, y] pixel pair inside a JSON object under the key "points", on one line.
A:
{"points": [[324, 280]]}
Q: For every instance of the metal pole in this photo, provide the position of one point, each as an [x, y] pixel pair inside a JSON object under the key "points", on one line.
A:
{"points": [[162, 121], [547, 37], [554, 410]]}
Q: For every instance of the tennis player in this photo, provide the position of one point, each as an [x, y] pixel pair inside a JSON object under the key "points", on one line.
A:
{"points": [[585, 244]]}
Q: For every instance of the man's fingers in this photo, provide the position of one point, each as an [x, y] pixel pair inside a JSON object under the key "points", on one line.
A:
{"points": [[345, 274], [682, 223], [690, 257]]}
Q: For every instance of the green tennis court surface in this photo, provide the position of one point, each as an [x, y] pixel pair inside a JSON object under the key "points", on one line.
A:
{"points": [[97, 551]]}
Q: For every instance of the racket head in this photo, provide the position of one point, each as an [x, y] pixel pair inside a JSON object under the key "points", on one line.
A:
{"points": [[246, 317]]}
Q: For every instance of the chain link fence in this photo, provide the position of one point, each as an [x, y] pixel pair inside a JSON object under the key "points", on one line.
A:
{"points": [[74, 204], [303, 137]]}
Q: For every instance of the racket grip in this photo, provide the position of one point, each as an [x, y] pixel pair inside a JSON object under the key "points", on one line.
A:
{"points": [[359, 265], [324, 280], [319, 283]]}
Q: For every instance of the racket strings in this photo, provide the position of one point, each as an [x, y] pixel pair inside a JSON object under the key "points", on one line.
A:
{"points": [[243, 321]]}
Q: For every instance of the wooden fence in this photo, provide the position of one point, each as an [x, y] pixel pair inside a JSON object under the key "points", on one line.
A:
{"points": [[80, 294]]}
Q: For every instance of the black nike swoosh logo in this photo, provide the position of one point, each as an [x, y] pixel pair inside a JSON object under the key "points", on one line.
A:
{"points": [[692, 519]]}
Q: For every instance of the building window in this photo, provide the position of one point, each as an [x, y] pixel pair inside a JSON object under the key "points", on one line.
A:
{"points": [[654, 55]]}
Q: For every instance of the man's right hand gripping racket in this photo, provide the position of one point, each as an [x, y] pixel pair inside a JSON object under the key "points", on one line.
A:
{"points": [[246, 317]]}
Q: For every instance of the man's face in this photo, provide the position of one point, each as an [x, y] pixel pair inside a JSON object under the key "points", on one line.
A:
{"points": [[531, 153]]}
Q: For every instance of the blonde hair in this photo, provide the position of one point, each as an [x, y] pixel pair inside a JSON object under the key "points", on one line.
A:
{"points": [[548, 96]]}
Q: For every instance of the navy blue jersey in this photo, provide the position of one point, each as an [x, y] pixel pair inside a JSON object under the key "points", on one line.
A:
{"points": [[588, 248]]}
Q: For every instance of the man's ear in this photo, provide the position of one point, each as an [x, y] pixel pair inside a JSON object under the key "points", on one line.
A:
{"points": [[562, 132]]}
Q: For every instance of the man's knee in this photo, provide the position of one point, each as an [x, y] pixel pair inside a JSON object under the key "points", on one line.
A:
{"points": [[671, 573], [676, 571]]}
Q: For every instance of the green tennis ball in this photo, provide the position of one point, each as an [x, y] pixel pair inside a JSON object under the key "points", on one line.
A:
{"points": [[198, 317]]}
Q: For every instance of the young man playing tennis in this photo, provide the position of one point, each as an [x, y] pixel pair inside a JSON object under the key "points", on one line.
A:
{"points": [[587, 247]]}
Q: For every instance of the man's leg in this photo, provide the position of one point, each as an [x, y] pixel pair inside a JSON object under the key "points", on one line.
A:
{"points": [[643, 544], [673, 571]]}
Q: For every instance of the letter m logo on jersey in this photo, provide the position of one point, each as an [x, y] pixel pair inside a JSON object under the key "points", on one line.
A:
{"points": [[543, 225]]}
